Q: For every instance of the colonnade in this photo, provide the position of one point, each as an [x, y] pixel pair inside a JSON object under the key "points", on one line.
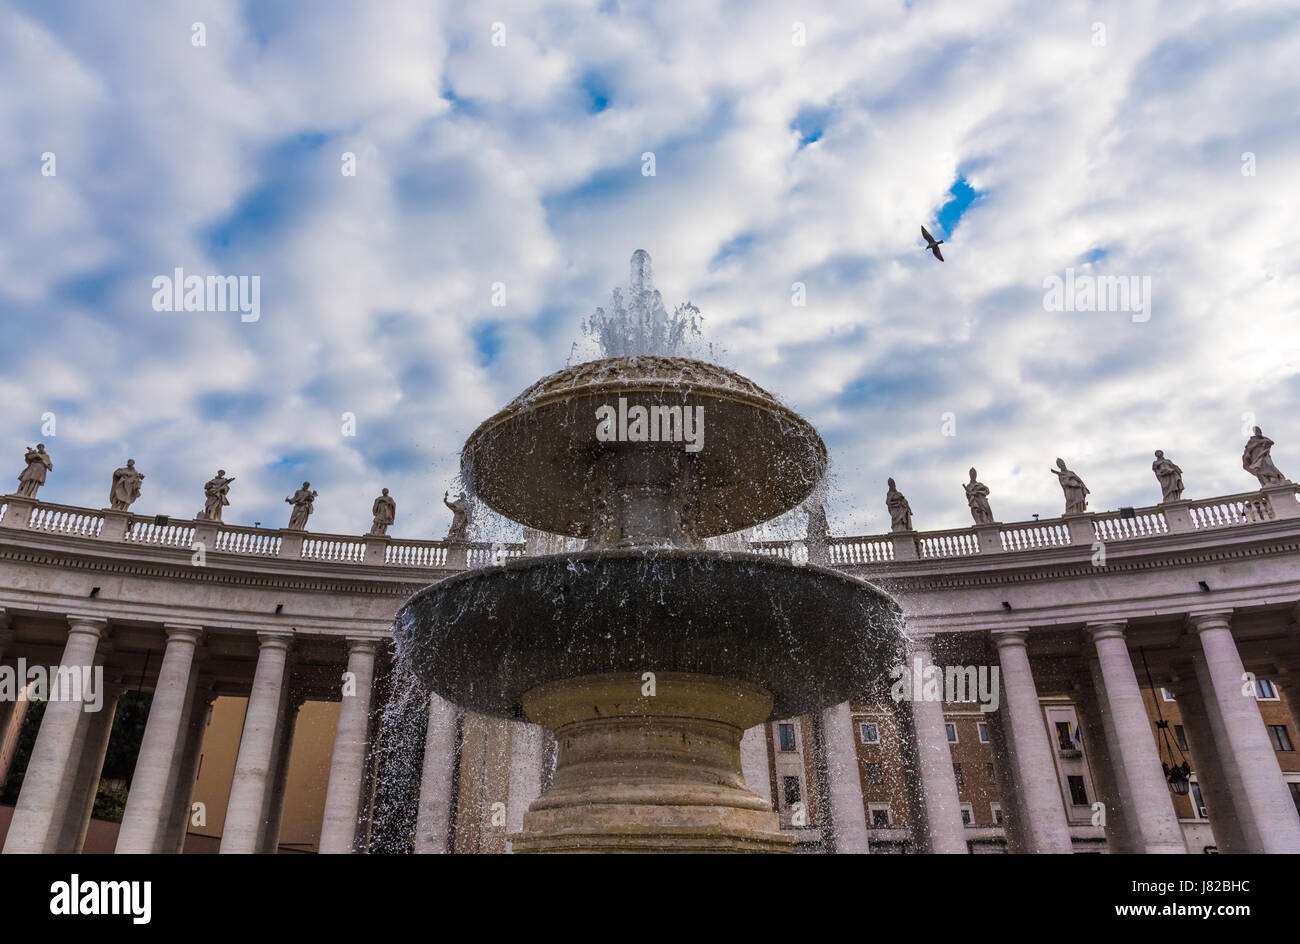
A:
{"points": [[63, 772], [1250, 808]]}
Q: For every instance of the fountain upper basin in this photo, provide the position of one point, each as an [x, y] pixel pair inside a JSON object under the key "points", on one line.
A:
{"points": [[809, 635], [539, 461]]}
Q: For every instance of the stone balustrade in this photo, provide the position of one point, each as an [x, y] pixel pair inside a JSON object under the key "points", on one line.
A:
{"points": [[33, 515], [1227, 511]]}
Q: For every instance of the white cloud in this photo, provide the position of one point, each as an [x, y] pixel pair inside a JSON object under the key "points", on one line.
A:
{"points": [[482, 164]]}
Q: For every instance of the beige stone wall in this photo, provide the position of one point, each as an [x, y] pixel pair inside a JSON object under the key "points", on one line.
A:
{"points": [[309, 764], [217, 762]]}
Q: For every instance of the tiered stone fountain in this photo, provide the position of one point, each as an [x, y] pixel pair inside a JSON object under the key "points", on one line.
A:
{"points": [[646, 654]]}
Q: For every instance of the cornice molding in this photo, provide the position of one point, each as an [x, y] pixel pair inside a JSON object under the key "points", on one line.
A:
{"points": [[346, 583]]}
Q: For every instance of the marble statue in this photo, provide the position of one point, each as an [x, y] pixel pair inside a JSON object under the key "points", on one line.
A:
{"points": [[1076, 493], [302, 507], [977, 496], [385, 513], [126, 486], [1256, 459], [1169, 476], [462, 516], [33, 477], [900, 512], [215, 491]]}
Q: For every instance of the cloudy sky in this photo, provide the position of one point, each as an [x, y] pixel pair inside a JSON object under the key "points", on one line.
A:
{"points": [[504, 143]]}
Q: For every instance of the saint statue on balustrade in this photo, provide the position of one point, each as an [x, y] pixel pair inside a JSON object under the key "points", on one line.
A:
{"points": [[33, 477], [126, 486]]}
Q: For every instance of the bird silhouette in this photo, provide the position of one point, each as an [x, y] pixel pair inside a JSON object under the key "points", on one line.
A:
{"points": [[932, 244]]}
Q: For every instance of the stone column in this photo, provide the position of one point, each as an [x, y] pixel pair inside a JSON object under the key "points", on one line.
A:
{"points": [[526, 755], [8, 709], [1144, 791], [754, 761], [1265, 810], [248, 789], [1004, 765], [438, 783], [1045, 827], [1207, 764], [347, 764], [937, 785], [182, 793], [11, 712], [52, 768], [10, 715], [147, 812], [844, 781], [93, 746], [1105, 771], [268, 842]]}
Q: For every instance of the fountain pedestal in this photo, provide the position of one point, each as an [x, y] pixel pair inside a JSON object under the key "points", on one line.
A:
{"points": [[649, 772]]}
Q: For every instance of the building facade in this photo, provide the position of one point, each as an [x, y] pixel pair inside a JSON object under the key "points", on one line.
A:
{"points": [[264, 655]]}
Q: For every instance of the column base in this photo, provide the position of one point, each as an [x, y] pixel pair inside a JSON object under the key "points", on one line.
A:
{"points": [[649, 773]]}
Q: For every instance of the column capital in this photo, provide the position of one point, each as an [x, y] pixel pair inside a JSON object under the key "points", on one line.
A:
{"points": [[1217, 619], [192, 631], [1108, 629], [362, 644], [92, 625], [920, 642], [274, 639], [1016, 636]]}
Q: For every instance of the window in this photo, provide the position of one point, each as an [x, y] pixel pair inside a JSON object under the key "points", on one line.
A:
{"points": [[1180, 735], [956, 775], [996, 808], [983, 727], [875, 775], [952, 731], [1166, 694], [1265, 691], [790, 787], [1294, 786], [870, 733], [1064, 740], [1078, 792], [880, 815], [1278, 735], [991, 772], [967, 815], [787, 736], [1198, 803]]}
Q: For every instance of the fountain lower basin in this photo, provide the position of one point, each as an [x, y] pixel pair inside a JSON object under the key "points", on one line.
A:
{"points": [[809, 635]]}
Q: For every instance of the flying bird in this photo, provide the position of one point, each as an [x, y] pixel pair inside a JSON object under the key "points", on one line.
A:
{"points": [[932, 244]]}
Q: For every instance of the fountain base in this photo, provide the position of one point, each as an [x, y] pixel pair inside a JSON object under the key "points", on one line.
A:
{"points": [[649, 769]]}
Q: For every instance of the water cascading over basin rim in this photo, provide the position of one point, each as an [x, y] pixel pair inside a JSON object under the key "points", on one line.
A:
{"points": [[810, 635], [533, 460]]}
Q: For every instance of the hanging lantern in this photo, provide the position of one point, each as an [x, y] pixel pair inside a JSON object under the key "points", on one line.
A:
{"points": [[1179, 778]]}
